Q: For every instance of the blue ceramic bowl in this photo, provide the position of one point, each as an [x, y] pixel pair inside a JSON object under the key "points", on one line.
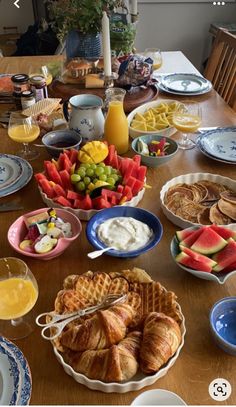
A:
{"points": [[58, 140], [120, 211], [223, 324], [159, 160]]}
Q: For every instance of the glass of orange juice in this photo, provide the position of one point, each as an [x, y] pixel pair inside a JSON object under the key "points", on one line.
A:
{"points": [[18, 295], [155, 54], [187, 120], [116, 129], [24, 130]]}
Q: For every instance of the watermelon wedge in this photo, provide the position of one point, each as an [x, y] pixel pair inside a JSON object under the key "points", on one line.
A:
{"points": [[225, 257], [232, 267], [189, 240], [224, 232], [198, 256], [182, 234], [208, 242], [189, 262]]}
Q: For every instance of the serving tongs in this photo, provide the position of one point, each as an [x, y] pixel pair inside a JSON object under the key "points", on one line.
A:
{"points": [[52, 329]]}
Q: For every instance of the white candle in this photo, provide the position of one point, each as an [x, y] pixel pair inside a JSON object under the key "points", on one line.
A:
{"points": [[106, 44], [133, 7]]}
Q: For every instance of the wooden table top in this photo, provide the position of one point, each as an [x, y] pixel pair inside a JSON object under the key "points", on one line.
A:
{"points": [[200, 360]]}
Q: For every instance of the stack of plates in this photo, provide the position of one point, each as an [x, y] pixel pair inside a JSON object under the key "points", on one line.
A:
{"points": [[184, 84], [219, 144], [15, 377], [15, 173]]}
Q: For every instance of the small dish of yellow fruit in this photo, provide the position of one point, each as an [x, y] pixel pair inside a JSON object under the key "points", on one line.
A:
{"points": [[153, 118]]}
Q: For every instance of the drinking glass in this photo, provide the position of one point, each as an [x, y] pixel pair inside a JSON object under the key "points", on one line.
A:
{"points": [[18, 295], [155, 54], [187, 120], [24, 130]]}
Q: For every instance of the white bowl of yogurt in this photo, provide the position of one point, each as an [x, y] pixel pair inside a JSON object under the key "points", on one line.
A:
{"points": [[130, 231]]}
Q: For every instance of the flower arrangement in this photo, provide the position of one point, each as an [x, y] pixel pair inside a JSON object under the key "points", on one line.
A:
{"points": [[82, 15]]}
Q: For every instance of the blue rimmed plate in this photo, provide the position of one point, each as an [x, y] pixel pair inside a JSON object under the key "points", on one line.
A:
{"points": [[27, 173], [26, 381], [123, 211], [10, 170], [220, 143], [9, 378]]}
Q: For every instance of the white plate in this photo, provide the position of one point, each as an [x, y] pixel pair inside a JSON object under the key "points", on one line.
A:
{"points": [[23, 180], [220, 143], [138, 382], [172, 92], [169, 131], [190, 179], [86, 214], [158, 397], [9, 378], [10, 170], [185, 82], [26, 381], [199, 145]]}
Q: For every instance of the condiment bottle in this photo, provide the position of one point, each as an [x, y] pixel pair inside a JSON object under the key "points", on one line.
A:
{"points": [[20, 82], [39, 87], [27, 99], [116, 130]]}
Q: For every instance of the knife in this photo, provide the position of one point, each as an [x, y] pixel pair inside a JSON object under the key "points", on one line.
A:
{"points": [[204, 129], [7, 207]]}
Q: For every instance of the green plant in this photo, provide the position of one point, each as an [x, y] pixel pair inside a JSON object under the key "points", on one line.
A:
{"points": [[82, 15]]}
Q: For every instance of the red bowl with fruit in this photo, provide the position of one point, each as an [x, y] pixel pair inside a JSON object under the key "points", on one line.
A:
{"points": [[207, 252], [23, 238], [92, 179]]}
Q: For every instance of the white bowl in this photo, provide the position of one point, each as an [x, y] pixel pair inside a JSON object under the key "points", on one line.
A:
{"points": [[158, 397], [169, 131], [219, 277], [190, 179], [83, 214], [136, 383]]}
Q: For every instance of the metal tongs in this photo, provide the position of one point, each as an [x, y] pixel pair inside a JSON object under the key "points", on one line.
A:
{"points": [[58, 322]]}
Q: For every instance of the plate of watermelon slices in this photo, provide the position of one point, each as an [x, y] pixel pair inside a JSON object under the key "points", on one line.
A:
{"points": [[58, 191], [208, 252]]}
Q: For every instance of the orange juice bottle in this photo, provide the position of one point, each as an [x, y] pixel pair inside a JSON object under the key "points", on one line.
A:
{"points": [[116, 129]]}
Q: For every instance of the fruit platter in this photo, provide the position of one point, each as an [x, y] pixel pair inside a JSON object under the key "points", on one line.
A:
{"points": [[208, 252], [92, 179]]}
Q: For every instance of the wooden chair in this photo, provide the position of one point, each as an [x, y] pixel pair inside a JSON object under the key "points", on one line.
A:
{"points": [[221, 66]]}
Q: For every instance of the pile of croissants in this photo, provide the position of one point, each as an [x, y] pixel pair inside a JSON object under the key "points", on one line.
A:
{"points": [[104, 348]]}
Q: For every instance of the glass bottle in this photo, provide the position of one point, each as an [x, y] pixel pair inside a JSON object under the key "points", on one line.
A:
{"points": [[116, 130]]}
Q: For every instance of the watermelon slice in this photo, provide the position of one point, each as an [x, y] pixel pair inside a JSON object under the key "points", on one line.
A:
{"points": [[198, 256], [232, 267], [208, 242], [224, 232], [182, 234], [225, 257], [189, 262], [189, 240]]}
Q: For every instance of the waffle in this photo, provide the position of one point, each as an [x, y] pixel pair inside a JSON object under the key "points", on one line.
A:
{"points": [[46, 106]]}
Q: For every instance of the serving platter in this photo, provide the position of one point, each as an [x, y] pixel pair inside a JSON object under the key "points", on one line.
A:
{"points": [[190, 179], [220, 143]]}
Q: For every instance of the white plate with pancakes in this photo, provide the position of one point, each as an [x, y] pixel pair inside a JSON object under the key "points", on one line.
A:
{"points": [[166, 303], [176, 215]]}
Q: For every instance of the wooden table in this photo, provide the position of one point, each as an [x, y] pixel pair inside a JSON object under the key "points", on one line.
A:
{"points": [[200, 360]]}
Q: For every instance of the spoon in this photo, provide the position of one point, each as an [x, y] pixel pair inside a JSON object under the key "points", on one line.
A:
{"points": [[97, 253]]}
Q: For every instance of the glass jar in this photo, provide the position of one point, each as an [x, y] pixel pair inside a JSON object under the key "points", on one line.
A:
{"points": [[116, 130], [20, 83], [39, 87], [27, 99]]}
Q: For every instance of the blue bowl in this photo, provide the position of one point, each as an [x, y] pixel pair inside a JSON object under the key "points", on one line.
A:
{"points": [[124, 211], [223, 324], [58, 140]]}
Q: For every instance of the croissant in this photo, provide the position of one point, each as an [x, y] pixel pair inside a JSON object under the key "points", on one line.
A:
{"points": [[117, 363], [104, 329], [161, 339]]}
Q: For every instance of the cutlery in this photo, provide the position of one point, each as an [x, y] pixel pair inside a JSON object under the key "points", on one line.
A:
{"points": [[204, 129], [10, 206], [97, 253]]}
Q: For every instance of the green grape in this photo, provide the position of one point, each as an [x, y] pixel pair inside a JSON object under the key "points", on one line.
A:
{"points": [[107, 170], [75, 178], [114, 171], [87, 180], [95, 180], [81, 171], [111, 181], [103, 177], [99, 171], [83, 165], [115, 177], [90, 172], [80, 186], [101, 164], [93, 166]]}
